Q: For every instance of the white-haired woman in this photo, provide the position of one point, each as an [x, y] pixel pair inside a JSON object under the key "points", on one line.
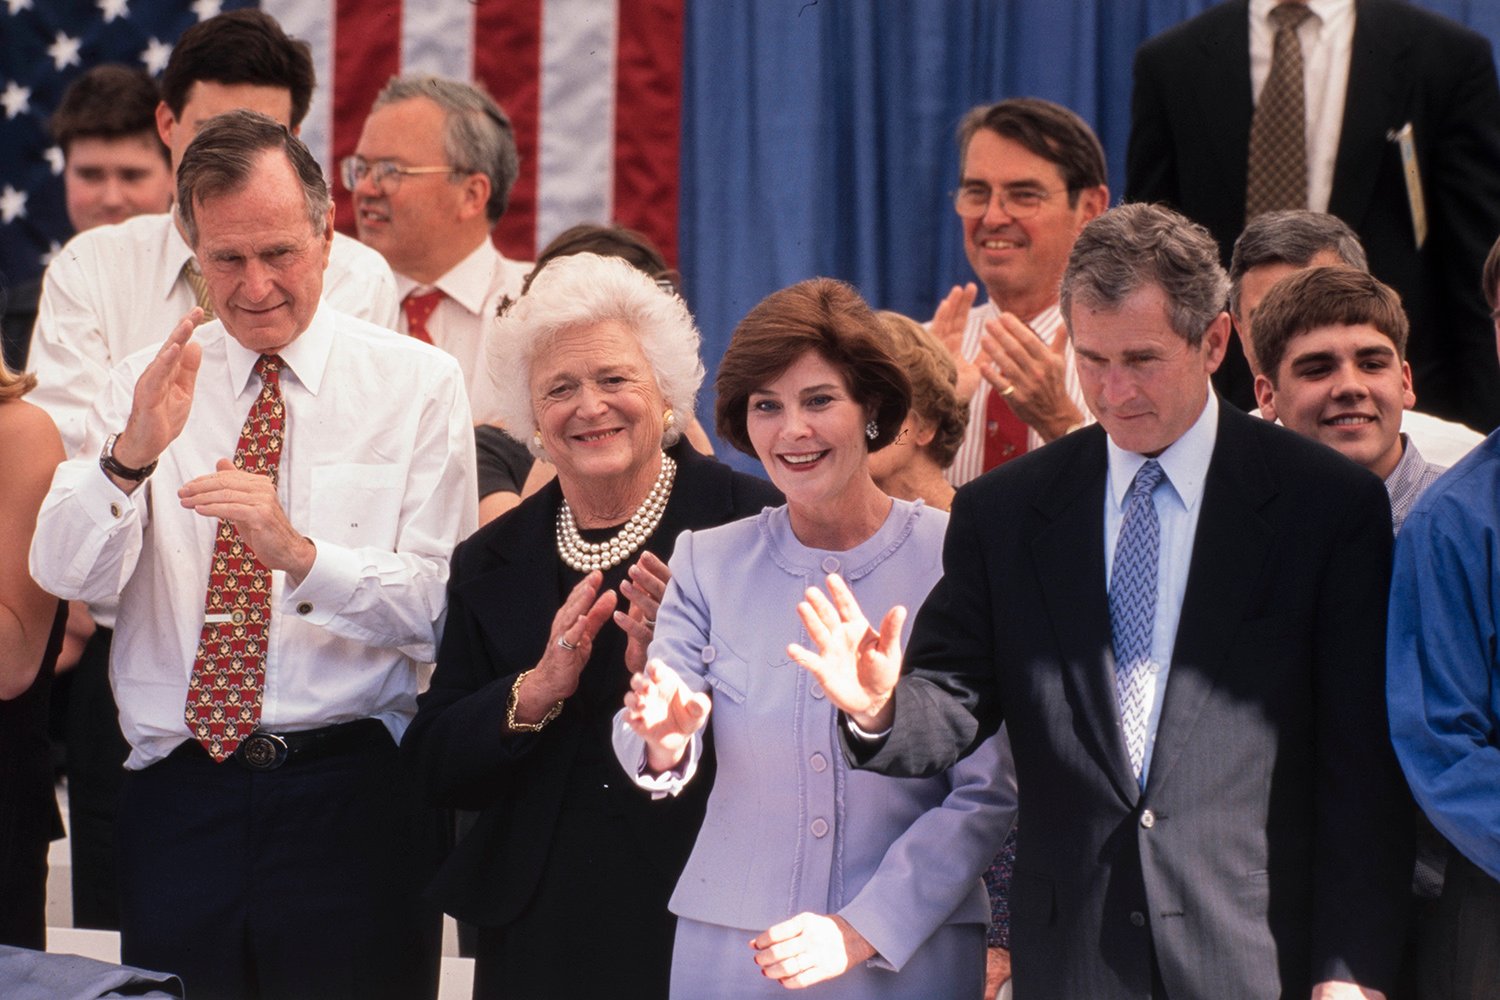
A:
{"points": [[547, 606]]}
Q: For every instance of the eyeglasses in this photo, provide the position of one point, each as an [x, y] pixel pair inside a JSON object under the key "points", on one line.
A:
{"points": [[972, 201], [384, 174]]}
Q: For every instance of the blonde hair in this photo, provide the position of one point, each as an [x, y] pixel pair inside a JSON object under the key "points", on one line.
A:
{"points": [[14, 385]]}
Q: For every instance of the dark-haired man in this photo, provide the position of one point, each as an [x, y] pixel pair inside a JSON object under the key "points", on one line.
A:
{"points": [[1031, 175], [276, 605]]}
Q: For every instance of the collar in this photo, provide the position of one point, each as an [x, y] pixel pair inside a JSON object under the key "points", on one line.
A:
{"points": [[1185, 461], [1409, 467], [175, 254], [305, 357], [467, 282], [1325, 12]]}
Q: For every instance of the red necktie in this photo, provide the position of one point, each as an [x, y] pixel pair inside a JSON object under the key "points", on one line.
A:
{"points": [[1004, 432], [418, 307], [229, 670]]}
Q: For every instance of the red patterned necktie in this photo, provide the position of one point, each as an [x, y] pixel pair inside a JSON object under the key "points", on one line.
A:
{"points": [[1005, 434], [1277, 169], [229, 670], [418, 307]]}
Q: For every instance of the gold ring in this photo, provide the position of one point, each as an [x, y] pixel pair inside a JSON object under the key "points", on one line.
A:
{"points": [[1008, 390]]}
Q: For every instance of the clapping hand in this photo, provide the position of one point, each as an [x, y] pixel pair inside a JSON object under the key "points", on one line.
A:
{"points": [[857, 666], [162, 399], [948, 326], [644, 588], [665, 713], [1029, 374]]}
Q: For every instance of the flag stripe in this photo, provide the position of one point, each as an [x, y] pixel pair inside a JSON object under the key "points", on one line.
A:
{"points": [[507, 62], [438, 38], [648, 114], [574, 168]]}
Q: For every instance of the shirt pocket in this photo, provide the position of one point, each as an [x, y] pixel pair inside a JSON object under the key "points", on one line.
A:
{"points": [[358, 505]]}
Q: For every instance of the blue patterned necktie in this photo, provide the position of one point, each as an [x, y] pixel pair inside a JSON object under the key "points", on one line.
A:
{"points": [[1132, 607]]}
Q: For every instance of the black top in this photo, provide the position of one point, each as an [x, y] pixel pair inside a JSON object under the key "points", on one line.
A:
{"points": [[503, 462]]}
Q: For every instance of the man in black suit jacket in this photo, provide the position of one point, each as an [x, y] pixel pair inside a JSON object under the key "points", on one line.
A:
{"points": [[1189, 142], [1259, 848]]}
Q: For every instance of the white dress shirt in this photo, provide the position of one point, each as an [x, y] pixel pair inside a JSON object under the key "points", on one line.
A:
{"points": [[1178, 499], [464, 318], [377, 468], [1327, 41], [968, 463], [114, 290]]}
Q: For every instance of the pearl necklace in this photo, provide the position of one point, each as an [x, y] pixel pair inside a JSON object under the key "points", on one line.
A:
{"points": [[587, 556]]}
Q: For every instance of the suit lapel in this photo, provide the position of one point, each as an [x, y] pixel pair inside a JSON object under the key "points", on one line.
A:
{"points": [[1069, 554], [1225, 100], [1372, 106], [1231, 545]]}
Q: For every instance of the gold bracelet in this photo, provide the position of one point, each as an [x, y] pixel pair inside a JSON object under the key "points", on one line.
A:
{"points": [[510, 709]]}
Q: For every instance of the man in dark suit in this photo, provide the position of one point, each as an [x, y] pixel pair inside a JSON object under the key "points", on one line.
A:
{"points": [[1194, 97], [1212, 806]]}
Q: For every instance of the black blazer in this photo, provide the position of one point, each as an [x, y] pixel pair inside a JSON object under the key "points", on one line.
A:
{"points": [[1190, 137], [1270, 848], [502, 596]]}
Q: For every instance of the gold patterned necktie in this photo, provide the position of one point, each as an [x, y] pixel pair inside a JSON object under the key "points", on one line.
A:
{"points": [[229, 670], [199, 285], [1277, 169]]}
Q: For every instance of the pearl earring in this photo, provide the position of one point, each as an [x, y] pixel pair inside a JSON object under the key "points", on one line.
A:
{"points": [[872, 430], [668, 418]]}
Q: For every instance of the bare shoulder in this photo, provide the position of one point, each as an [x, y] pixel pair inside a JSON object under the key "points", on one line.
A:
{"points": [[29, 442]]}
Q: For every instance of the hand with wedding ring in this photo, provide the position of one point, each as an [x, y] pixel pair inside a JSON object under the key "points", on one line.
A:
{"points": [[810, 948], [1029, 374], [644, 587], [555, 677]]}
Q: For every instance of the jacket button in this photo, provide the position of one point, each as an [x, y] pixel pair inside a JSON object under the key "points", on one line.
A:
{"points": [[830, 564], [819, 762], [1137, 919], [1148, 819], [817, 691], [708, 654], [819, 827]]}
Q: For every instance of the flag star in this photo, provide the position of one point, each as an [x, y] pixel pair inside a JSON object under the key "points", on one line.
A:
{"points": [[64, 51], [155, 56], [52, 251], [112, 9], [15, 99], [12, 204], [54, 158], [16, 6], [206, 9]]}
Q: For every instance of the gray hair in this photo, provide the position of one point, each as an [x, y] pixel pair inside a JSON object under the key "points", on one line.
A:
{"points": [[222, 158], [477, 135], [1292, 236], [1132, 246], [583, 290]]}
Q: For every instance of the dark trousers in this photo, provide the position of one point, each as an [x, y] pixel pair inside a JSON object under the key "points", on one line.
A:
{"points": [[1460, 948], [299, 882], [96, 769]]}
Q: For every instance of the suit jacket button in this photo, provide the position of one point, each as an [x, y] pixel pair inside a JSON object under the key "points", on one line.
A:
{"points": [[1137, 919], [819, 827], [830, 564], [1148, 819]]}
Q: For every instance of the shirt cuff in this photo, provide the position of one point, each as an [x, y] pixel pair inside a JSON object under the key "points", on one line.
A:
{"points": [[862, 735], [327, 587]]}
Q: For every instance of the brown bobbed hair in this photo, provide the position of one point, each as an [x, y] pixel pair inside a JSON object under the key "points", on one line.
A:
{"points": [[934, 378], [821, 315]]}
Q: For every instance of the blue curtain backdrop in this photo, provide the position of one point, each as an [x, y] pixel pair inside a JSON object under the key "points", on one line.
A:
{"points": [[818, 134]]}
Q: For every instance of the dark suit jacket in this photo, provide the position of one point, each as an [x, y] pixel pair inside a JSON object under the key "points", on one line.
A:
{"points": [[502, 596], [1190, 136], [1270, 848]]}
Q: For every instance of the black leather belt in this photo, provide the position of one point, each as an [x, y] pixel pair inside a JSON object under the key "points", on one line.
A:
{"points": [[266, 751]]}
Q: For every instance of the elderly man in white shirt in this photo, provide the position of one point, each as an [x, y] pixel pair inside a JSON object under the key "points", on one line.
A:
{"points": [[274, 608]]}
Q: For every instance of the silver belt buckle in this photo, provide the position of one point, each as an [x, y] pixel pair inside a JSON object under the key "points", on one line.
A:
{"points": [[263, 751]]}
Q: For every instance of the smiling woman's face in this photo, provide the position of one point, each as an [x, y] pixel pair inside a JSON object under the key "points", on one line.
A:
{"points": [[597, 404], [809, 432]]}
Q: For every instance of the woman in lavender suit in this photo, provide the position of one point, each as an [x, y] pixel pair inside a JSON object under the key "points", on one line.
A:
{"points": [[804, 870]]}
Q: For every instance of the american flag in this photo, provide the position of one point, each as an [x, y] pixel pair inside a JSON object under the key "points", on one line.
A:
{"points": [[593, 88]]}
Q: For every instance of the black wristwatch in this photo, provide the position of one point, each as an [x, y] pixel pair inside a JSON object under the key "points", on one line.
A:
{"points": [[108, 463]]}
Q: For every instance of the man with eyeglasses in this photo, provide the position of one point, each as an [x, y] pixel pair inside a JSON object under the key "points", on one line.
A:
{"points": [[1032, 176], [110, 292], [430, 177]]}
